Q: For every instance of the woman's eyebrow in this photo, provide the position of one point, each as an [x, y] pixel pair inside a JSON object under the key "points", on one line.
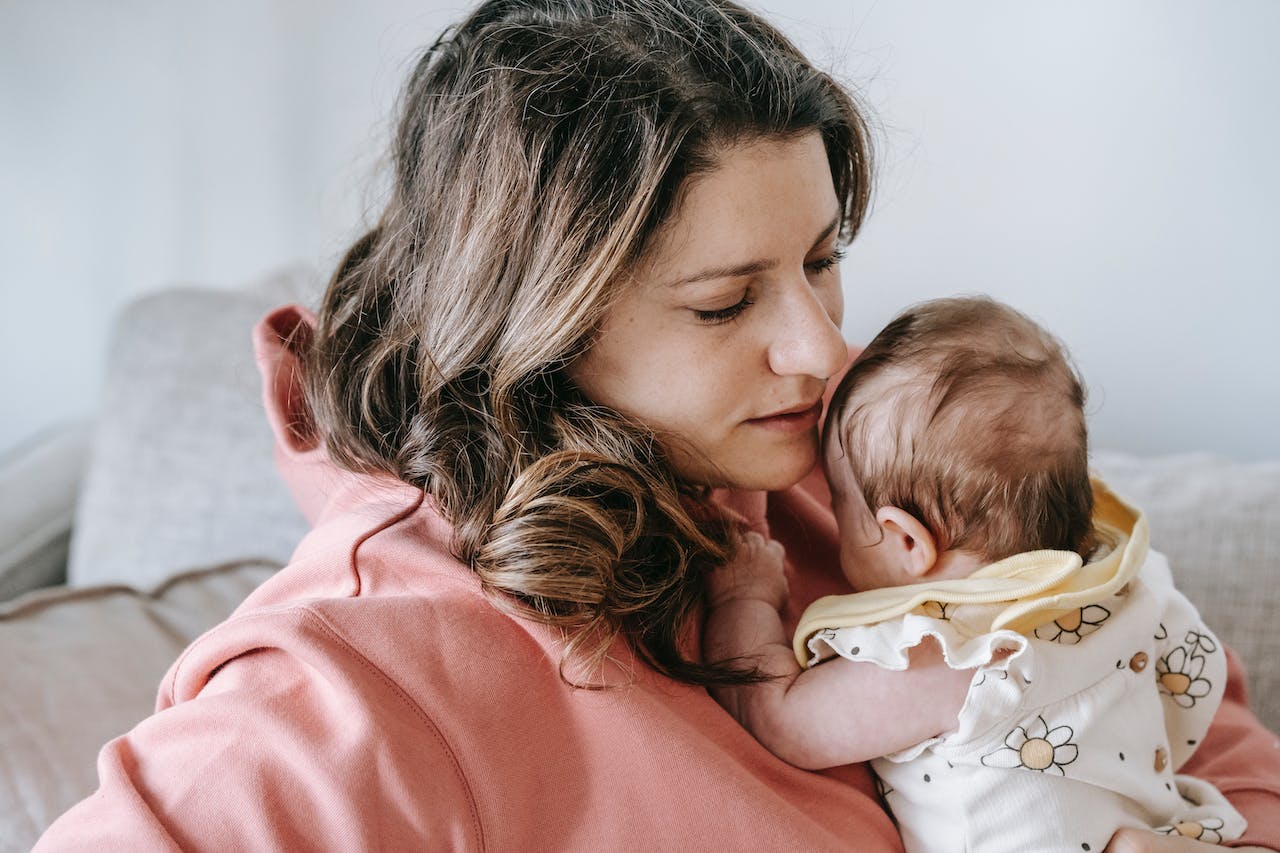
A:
{"points": [[751, 267]]}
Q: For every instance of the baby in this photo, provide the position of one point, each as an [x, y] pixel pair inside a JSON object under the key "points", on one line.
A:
{"points": [[1077, 680]]}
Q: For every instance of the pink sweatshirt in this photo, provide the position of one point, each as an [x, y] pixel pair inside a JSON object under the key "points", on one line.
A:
{"points": [[370, 697]]}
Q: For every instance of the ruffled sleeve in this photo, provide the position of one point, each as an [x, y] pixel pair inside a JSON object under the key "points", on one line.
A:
{"points": [[1001, 661]]}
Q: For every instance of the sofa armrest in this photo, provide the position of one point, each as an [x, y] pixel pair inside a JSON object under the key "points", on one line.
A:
{"points": [[40, 481]]}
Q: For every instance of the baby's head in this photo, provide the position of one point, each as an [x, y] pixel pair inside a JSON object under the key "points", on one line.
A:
{"points": [[957, 439]]}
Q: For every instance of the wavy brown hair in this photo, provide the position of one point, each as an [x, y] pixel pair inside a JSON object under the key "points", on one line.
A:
{"points": [[541, 146]]}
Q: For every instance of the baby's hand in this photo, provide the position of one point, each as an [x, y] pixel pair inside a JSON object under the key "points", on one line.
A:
{"points": [[756, 571]]}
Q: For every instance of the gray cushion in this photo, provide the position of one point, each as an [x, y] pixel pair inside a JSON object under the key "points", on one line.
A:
{"points": [[181, 474], [1218, 522]]}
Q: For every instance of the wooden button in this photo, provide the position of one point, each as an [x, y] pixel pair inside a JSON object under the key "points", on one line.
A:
{"points": [[1162, 759], [1138, 662]]}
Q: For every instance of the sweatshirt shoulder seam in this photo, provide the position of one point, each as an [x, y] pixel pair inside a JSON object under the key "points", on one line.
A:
{"points": [[341, 642]]}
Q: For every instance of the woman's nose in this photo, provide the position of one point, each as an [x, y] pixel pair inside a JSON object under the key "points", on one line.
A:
{"points": [[808, 340]]}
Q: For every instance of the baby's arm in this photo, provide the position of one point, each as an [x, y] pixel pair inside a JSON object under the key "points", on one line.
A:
{"points": [[838, 712]]}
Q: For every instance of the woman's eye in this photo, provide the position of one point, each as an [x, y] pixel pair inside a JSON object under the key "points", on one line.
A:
{"points": [[823, 264], [724, 315]]}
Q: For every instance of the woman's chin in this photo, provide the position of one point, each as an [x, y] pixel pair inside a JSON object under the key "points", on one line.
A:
{"points": [[770, 466], [782, 483], [777, 470]]}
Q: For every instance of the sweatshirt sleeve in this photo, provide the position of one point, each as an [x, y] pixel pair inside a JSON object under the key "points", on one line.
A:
{"points": [[280, 749], [1242, 759]]}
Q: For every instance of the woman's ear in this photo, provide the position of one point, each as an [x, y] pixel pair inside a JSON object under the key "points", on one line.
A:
{"points": [[279, 340], [910, 545]]}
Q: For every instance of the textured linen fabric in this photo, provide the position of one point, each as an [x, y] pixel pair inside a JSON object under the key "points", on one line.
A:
{"points": [[181, 474], [1218, 522], [81, 666]]}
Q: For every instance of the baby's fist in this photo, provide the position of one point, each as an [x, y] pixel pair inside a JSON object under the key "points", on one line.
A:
{"points": [[756, 571]]}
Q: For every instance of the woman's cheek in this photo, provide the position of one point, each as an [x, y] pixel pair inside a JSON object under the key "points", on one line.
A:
{"points": [[834, 302]]}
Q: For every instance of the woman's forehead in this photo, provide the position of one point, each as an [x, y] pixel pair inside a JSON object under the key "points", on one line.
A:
{"points": [[763, 199]]}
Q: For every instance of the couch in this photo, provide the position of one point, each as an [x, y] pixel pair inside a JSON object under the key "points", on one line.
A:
{"points": [[123, 537]]}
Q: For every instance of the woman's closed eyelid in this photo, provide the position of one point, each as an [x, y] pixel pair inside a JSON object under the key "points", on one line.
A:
{"points": [[828, 261], [717, 316]]}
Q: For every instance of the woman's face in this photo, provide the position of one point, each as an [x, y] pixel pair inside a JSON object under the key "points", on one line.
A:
{"points": [[725, 342]]}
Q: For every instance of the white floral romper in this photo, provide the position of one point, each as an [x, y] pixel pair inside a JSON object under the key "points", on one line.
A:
{"points": [[1078, 732]]}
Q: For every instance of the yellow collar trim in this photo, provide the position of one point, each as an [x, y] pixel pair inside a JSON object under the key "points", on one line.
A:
{"points": [[1039, 586]]}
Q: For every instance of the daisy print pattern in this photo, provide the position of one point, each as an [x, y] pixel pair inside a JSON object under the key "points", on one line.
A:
{"points": [[1075, 626], [1180, 673], [1208, 829], [937, 610], [1036, 747], [1201, 642]]}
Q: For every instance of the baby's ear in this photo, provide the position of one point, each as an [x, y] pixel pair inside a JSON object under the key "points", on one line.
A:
{"points": [[279, 340], [910, 543]]}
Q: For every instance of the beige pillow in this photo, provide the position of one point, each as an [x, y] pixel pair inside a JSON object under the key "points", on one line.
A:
{"points": [[82, 666], [1218, 521]]}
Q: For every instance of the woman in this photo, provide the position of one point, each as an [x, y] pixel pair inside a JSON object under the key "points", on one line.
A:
{"points": [[588, 337]]}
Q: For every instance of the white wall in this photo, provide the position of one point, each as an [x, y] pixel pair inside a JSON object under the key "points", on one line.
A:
{"points": [[1105, 167], [1108, 167]]}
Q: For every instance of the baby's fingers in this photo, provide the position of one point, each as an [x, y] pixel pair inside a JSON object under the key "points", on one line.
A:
{"points": [[755, 548]]}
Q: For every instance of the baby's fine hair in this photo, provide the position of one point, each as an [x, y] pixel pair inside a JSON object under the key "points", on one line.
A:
{"points": [[968, 415]]}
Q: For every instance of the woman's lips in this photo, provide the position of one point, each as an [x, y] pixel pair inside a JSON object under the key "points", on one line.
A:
{"points": [[791, 421]]}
